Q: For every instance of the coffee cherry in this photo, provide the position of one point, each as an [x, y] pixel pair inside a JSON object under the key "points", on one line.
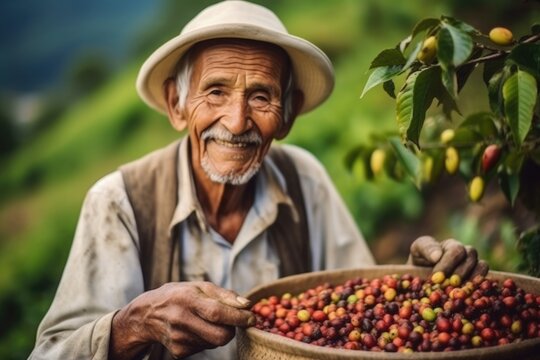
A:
{"points": [[443, 325], [447, 136], [319, 316], [516, 327], [487, 334], [501, 36], [376, 161], [455, 280], [490, 157], [476, 189], [428, 314], [303, 315], [476, 341], [438, 277], [369, 341], [355, 335], [451, 160], [428, 51], [390, 294]]}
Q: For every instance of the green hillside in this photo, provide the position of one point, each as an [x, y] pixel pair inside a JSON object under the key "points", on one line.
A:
{"points": [[44, 183]]}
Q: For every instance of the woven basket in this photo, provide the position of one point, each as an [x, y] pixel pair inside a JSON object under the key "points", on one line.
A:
{"points": [[255, 344]]}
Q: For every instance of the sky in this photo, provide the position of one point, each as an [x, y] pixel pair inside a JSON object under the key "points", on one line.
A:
{"points": [[39, 40]]}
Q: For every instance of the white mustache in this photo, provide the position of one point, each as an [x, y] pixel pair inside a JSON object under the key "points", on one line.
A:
{"points": [[218, 133]]}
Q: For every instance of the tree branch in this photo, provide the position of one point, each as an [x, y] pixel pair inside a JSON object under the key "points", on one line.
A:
{"points": [[501, 53]]}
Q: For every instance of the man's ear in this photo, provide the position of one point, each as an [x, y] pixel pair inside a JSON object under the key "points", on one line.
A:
{"points": [[297, 103], [176, 116]]}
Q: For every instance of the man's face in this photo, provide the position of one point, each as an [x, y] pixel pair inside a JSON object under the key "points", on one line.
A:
{"points": [[233, 108]]}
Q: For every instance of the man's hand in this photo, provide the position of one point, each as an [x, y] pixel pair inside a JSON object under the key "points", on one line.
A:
{"points": [[185, 317], [449, 256]]}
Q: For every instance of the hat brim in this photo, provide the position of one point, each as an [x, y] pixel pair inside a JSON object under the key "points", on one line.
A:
{"points": [[313, 71]]}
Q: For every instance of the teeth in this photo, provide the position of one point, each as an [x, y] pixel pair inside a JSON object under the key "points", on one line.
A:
{"points": [[230, 144]]}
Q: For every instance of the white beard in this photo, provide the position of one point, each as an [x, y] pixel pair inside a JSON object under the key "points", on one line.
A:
{"points": [[217, 132], [231, 178]]}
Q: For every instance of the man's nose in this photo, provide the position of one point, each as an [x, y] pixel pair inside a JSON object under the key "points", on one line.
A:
{"points": [[237, 116]]}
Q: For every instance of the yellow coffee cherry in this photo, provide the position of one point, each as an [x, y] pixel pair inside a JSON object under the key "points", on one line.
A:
{"points": [[476, 188], [428, 51], [455, 280], [427, 169], [438, 277], [447, 136], [376, 161], [501, 36], [451, 160]]}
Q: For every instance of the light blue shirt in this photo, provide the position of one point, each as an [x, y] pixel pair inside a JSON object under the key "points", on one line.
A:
{"points": [[103, 271]]}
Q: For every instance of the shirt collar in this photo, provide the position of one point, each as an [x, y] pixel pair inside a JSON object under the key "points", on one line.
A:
{"points": [[270, 189]]}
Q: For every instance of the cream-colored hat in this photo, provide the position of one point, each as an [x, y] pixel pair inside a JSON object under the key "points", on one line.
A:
{"points": [[313, 71]]}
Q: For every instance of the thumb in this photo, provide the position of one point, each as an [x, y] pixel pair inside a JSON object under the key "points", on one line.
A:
{"points": [[426, 251]]}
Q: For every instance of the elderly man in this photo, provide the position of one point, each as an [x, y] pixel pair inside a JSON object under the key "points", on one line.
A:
{"points": [[165, 245]]}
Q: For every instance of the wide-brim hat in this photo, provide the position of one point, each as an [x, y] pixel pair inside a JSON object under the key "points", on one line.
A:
{"points": [[313, 71]]}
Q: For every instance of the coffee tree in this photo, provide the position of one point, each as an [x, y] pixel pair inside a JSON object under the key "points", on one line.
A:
{"points": [[434, 63]]}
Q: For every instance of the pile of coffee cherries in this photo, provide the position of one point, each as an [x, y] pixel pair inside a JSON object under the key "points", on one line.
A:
{"points": [[404, 314]]}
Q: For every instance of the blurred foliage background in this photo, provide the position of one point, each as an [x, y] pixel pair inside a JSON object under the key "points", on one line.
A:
{"points": [[69, 114]]}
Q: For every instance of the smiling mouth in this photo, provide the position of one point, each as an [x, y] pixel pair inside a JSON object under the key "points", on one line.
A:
{"points": [[236, 145]]}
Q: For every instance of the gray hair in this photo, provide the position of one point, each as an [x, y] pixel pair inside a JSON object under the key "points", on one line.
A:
{"points": [[184, 70]]}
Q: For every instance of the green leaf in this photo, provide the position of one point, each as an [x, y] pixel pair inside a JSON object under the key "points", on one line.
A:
{"points": [[448, 103], [454, 46], [481, 123], [390, 88], [526, 57], [380, 75], [425, 24], [413, 100], [465, 136], [509, 173], [509, 184], [412, 56], [529, 246], [388, 57], [463, 72], [352, 155], [460, 25], [449, 80], [410, 162], [519, 94], [404, 44], [491, 68], [495, 91]]}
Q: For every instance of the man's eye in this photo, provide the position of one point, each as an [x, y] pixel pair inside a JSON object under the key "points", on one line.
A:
{"points": [[216, 92], [260, 98]]}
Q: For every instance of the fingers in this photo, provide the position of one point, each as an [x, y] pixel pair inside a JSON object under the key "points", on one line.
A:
{"points": [[481, 268], [466, 267], [225, 296], [449, 256], [199, 315], [221, 306], [186, 342], [215, 312], [453, 254], [425, 251]]}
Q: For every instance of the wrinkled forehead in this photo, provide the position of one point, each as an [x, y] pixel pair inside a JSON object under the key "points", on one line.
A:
{"points": [[258, 50], [247, 45]]}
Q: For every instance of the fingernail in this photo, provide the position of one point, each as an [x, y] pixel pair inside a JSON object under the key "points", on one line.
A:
{"points": [[251, 321], [242, 300], [435, 255]]}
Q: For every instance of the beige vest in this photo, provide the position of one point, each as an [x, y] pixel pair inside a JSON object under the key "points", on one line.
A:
{"points": [[152, 188]]}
